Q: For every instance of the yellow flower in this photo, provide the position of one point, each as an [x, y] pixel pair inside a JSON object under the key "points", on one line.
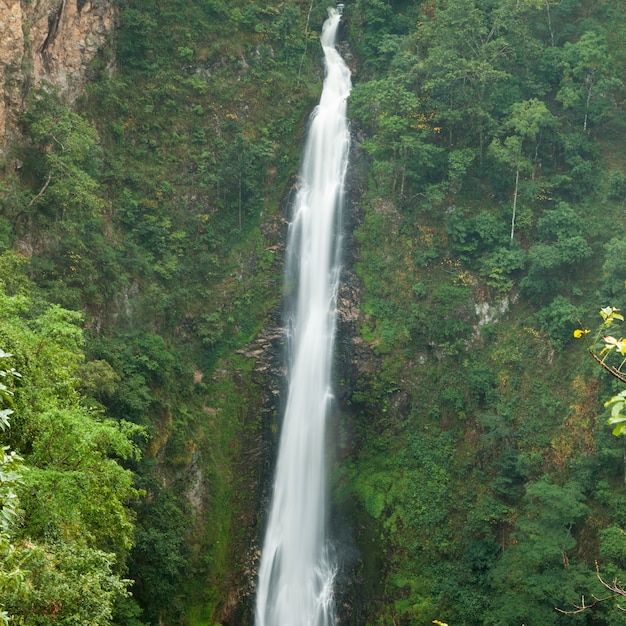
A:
{"points": [[578, 333]]}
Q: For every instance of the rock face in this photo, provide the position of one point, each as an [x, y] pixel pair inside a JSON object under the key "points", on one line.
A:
{"points": [[47, 40]]}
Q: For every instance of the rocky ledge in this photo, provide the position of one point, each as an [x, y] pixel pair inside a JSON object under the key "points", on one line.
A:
{"points": [[47, 41]]}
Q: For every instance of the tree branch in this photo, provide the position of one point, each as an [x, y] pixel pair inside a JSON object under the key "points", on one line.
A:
{"points": [[616, 590], [584, 607], [41, 191], [614, 371], [616, 587]]}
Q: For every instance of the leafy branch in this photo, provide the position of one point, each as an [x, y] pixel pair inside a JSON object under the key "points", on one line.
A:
{"points": [[10, 461], [607, 343], [603, 347]]}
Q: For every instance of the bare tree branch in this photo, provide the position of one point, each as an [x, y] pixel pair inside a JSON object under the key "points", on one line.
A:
{"points": [[616, 587], [616, 590], [41, 191]]}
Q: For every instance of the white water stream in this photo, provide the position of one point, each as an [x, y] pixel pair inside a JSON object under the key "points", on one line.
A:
{"points": [[296, 573]]}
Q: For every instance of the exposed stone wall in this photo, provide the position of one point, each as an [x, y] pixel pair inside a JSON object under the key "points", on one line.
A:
{"points": [[11, 56], [47, 40]]}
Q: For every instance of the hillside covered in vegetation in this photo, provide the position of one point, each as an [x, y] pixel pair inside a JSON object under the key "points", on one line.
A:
{"points": [[142, 225]]}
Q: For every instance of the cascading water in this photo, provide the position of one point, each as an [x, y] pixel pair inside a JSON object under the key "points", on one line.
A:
{"points": [[296, 573]]}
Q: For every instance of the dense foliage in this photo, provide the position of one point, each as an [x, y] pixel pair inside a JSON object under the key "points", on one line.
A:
{"points": [[494, 132], [66, 523]]}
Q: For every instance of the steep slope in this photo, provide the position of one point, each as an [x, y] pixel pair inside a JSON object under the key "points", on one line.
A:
{"points": [[154, 204], [51, 41], [478, 468]]}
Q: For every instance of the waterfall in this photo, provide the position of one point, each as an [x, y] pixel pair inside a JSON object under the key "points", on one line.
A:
{"points": [[297, 571]]}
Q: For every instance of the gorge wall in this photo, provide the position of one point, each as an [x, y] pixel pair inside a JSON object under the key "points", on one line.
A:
{"points": [[49, 41]]}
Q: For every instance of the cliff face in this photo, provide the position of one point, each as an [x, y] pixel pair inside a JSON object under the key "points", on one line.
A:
{"points": [[47, 40]]}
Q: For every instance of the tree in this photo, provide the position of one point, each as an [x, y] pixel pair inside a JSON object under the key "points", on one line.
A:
{"points": [[519, 150], [400, 135], [538, 567], [613, 271], [589, 78], [463, 48], [562, 244], [64, 157], [64, 563], [11, 468]]}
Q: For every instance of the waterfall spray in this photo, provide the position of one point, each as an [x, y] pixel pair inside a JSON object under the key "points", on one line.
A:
{"points": [[297, 571]]}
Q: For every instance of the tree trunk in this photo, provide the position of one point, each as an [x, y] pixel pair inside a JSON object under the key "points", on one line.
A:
{"points": [[514, 202], [589, 90], [550, 23]]}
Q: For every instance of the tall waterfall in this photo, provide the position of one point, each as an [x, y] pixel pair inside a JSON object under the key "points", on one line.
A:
{"points": [[296, 574]]}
